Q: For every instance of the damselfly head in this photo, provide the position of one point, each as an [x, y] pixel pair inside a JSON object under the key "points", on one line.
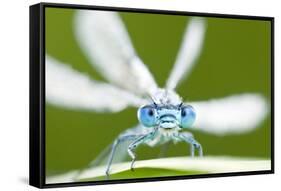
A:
{"points": [[166, 111]]}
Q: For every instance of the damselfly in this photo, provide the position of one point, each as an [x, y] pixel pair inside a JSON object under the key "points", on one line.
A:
{"points": [[162, 113]]}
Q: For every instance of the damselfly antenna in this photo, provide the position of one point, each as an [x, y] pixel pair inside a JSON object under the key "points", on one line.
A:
{"points": [[180, 105]]}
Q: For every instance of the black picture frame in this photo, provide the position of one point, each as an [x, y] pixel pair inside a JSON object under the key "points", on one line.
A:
{"points": [[37, 94]]}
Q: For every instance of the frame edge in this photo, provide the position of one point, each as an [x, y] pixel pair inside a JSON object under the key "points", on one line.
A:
{"points": [[35, 141]]}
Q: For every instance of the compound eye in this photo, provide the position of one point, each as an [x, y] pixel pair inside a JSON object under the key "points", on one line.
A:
{"points": [[187, 116], [146, 116]]}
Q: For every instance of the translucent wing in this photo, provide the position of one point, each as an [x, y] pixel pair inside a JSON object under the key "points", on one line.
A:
{"points": [[233, 114], [188, 53], [105, 41], [69, 88]]}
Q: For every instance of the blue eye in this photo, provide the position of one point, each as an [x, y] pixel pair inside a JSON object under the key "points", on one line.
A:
{"points": [[187, 116], [146, 116]]}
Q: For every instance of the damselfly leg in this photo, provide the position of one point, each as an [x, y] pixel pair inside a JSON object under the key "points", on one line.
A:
{"points": [[188, 137], [134, 145], [121, 138]]}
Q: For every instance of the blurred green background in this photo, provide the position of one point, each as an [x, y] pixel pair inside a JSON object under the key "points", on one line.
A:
{"points": [[235, 59]]}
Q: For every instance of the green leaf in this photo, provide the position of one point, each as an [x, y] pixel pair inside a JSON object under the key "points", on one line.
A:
{"points": [[166, 167]]}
